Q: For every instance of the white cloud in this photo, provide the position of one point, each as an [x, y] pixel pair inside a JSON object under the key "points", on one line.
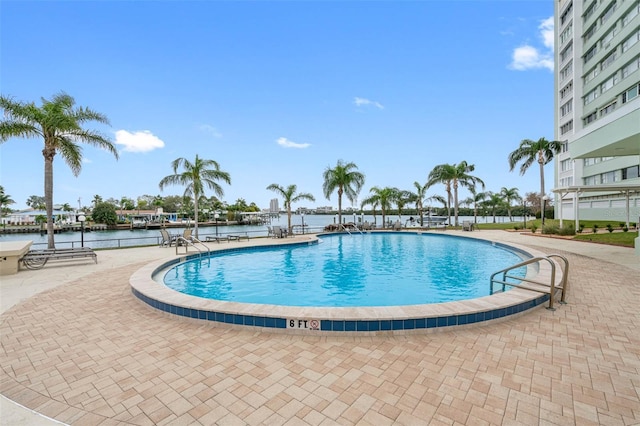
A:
{"points": [[363, 101], [140, 141], [286, 143], [210, 130], [528, 57]]}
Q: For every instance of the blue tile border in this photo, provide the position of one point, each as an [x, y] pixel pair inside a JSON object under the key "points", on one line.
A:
{"points": [[353, 326]]}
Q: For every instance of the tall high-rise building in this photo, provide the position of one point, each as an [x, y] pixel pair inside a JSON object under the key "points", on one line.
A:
{"points": [[597, 109], [273, 206]]}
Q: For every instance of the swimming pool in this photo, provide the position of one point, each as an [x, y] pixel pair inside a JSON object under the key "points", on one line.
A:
{"points": [[378, 269], [359, 320]]}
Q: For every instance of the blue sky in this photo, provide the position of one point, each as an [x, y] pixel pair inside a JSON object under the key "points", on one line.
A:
{"points": [[276, 92]]}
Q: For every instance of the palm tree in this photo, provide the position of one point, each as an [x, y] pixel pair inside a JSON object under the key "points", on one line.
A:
{"points": [[96, 200], [493, 201], [5, 200], [195, 177], [290, 196], [474, 199], [60, 125], [542, 151], [509, 195], [346, 178], [402, 198], [382, 197], [454, 175], [418, 197], [374, 205]]}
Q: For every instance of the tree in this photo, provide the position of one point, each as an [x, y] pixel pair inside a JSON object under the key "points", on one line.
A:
{"points": [[509, 195], [60, 125], [418, 198], [104, 213], [36, 202], [493, 201], [382, 197], [195, 177], [96, 199], [346, 178], [401, 198], [529, 151], [475, 198], [454, 175], [5, 200], [290, 196]]}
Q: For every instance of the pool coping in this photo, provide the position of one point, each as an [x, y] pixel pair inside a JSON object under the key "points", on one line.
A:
{"points": [[342, 320]]}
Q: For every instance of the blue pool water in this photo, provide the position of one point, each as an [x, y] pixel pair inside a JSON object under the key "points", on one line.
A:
{"points": [[377, 269]]}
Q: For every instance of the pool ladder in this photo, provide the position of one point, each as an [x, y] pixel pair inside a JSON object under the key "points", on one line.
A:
{"points": [[190, 242], [533, 285]]}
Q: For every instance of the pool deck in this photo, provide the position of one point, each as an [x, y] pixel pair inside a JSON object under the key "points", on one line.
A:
{"points": [[79, 348]]}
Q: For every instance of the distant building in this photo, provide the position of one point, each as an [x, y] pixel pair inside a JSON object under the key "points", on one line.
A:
{"points": [[273, 206], [324, 209]]}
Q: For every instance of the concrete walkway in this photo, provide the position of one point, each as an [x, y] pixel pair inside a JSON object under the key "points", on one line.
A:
{"points": [[77, 347]]}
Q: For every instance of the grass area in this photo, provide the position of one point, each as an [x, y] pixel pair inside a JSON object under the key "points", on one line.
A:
{"points": [[625, 239], [617, 238]]}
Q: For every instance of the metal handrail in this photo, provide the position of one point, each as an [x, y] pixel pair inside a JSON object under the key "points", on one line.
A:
{"points": [[191, 241], [551, 285]]}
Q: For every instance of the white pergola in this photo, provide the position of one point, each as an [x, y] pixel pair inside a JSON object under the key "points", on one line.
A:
{"points": [[577, 190]]}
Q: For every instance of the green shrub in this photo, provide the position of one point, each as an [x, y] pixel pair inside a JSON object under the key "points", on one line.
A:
{"points": [[580, 228], [625, 229], [550, 228], [567, 229], [609, 227], [595, 228], [516, 227], [621, 225], [534, 228]]}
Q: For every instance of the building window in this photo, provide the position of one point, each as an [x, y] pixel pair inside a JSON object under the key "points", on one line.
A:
{"points": [[590, 118], [589, 11], [568, 181], [566, 165], [566, 71], [566, 108], [566, 53], [608, 84], [566, 34], [591, 96], [631, 93], [567, 127], [608, 12], [566, 90], [630, 67], [630, 41], [606, 40], [566, 14], [608, 60], [608, 109], [631, 172], [631, 14], [590, 53], [593, 73], [589, 33], [565, 146], [592, 180]]}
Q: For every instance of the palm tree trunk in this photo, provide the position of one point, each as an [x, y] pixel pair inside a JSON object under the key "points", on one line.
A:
{"points": [[289, 218], [48, 193], [455, 201], [339, 206], [195, 214], [541, 162]]}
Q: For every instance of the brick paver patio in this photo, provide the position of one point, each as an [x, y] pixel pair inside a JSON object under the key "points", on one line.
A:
{"points": [[89, 353]]}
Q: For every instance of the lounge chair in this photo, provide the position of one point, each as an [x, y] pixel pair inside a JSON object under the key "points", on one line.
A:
{"points": [[238, 237], [397, 226], [467, 225], [166, 239], [186, 236], [279, 232]]}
